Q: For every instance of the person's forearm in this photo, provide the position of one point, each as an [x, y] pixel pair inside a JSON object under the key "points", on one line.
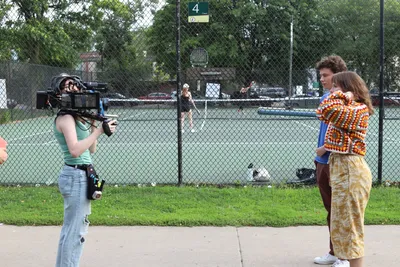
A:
{"points": [[81, 146], [93, 147]]}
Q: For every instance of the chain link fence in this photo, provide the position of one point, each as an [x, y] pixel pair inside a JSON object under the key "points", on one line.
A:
{"points": [[146, 50]]}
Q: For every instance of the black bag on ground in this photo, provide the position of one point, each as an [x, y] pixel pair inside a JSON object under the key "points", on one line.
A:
{"points": [[305, 176], [95, 186]]}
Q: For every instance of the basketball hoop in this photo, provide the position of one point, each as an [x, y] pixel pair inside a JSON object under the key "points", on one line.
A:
{"points": [[199, 57]]}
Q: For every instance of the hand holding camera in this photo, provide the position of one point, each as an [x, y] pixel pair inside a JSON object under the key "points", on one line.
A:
{"points": [[109, 126]]}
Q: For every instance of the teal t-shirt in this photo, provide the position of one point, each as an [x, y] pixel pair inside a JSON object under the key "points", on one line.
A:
{"points": [[82, 131]]}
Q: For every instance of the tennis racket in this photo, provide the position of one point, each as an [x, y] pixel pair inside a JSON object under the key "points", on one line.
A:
{"points": [[244, 89], [194, 106]]}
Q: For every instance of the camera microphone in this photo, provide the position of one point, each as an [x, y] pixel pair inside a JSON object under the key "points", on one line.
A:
{"points": [[111, 116], [101, 87]]}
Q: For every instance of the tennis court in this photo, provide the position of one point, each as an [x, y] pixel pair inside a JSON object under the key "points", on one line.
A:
{"points": [[145, 148]]}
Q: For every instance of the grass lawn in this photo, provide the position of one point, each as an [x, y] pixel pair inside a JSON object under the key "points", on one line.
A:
{"points": [[191, 206]]}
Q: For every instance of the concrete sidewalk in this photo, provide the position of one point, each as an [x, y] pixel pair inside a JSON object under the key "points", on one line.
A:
{"points": [[192, 247]]}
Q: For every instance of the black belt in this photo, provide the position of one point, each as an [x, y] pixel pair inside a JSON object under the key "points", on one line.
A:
{"points": [[82, 167]]}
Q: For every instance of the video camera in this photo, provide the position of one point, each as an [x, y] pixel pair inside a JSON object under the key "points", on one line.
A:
{"points": [[80, 103], [88, 97]]}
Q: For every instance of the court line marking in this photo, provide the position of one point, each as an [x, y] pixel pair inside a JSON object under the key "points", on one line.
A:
{"points": [[205, 116], [31, 135]]}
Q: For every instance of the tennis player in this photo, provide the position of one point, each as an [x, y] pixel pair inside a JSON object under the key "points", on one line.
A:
{"points": [[187, 102], [244, 95], [77, 138]]}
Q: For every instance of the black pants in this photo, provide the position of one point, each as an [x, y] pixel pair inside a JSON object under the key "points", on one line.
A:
{"points": [[325, 190]]}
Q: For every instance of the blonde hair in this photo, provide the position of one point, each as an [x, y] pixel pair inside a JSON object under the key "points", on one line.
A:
{"points": [[350, 81]]}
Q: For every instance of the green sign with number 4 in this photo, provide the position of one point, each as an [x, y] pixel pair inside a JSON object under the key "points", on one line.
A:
{"points": [[198, 8]]}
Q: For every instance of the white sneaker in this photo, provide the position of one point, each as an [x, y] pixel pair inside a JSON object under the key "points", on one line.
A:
{"points": [[341, 263], [192, 130], [326, 259], [183, 130]]}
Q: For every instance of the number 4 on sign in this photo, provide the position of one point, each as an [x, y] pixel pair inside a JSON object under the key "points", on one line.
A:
{"points": [[196, 8]]}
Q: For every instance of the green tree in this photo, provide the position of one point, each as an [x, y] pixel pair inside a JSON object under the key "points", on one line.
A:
{"points": [[47, 32], [251, 36], [392, 45], [5, 40], [121, 40], [355, 37], [55, 32], [159, 75]]}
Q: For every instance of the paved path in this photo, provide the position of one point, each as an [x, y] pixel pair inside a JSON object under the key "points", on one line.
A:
{"points": [[138, 246]]}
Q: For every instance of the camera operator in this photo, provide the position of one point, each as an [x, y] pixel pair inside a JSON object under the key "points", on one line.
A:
{"points": [[77, 137]]}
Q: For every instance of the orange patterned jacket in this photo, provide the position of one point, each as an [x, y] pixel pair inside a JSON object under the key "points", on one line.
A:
{"points": [[347, 124]]}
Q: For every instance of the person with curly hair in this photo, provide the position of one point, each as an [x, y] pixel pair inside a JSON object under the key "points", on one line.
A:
{"points": [[326, 67]]}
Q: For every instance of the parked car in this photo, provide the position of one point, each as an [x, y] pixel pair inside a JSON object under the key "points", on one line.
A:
{"points": [[391, 100], [117, 99], [156, 96]]}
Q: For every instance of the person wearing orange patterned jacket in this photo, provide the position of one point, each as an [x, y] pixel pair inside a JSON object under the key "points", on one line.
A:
{"points": [[347, 111]]}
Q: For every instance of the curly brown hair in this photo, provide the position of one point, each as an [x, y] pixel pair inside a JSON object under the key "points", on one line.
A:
{"points": [[351, 81], [334, 63]]}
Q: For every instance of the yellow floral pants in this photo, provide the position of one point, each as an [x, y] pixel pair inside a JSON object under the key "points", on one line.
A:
{"points": [[351, 181]]}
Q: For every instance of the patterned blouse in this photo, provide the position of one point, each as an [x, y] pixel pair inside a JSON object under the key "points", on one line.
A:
{"points": [[347, 124]]}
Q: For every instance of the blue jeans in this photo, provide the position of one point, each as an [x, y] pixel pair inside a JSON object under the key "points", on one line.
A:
{"points": [[73, 185]]}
